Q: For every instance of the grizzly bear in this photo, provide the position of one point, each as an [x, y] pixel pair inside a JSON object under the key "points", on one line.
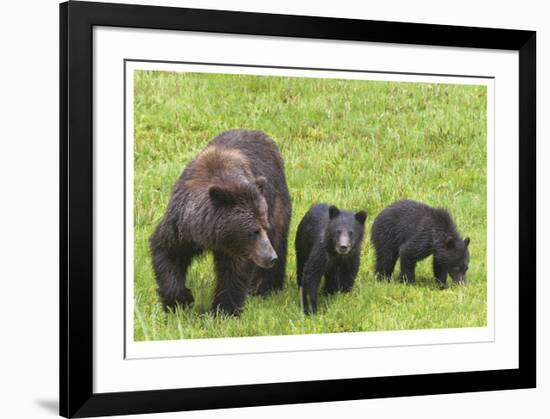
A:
{"points": [[232, 200], [328, 242], [412, 231]]}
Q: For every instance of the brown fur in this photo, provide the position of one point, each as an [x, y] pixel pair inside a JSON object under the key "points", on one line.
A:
{"points": [[213, 163]]}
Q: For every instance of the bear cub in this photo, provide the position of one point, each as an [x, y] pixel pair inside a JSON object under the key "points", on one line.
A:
{"points": [[412, 231], [328, 242]]}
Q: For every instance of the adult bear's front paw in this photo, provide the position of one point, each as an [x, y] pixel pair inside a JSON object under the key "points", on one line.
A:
{"points": [[182, 298]]}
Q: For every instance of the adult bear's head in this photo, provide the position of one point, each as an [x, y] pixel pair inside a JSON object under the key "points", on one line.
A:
{"points": [[241, 220]]}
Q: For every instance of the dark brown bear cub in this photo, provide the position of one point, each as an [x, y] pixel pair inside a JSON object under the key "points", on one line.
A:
{"points": [[233, 200], [328, 242], [412, 231]]}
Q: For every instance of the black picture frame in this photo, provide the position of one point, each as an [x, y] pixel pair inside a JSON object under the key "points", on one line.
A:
{"points": [[77, 19]]}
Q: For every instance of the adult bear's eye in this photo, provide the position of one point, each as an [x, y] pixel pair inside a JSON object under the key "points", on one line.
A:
{"points": [[257, 232]]}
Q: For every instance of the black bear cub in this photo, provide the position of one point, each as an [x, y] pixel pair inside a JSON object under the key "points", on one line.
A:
{"points": [[328, 242], [412, 231]]}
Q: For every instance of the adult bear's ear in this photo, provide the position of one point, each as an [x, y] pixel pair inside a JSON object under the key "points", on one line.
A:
{"points": [[361, 216], [333, 211], [221, 196], [450, 242], [466, 241], [261, 183]]}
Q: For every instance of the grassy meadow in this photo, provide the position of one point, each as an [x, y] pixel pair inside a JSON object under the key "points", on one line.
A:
{"points": [[355, 144]]}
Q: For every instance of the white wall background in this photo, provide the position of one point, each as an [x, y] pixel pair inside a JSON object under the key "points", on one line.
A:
{"points": [[29, 206]]}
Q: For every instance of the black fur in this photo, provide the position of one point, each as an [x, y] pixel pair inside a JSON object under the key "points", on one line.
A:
{"points": [[323, 235], [233, 200], [412, 231]]}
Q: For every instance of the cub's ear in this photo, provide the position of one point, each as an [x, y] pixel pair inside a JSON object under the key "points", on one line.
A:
{"points": [[333, 211], [261, 183], [221, 196], [361, 216], [450, 242], [466, 241]]}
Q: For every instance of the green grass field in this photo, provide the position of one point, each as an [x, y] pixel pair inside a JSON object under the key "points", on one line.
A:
{"points": [[355, 144]]}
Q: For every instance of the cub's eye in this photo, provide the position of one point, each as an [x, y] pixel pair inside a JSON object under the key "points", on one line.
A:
{"points": [[257, 232], [338, 231], [350, 233]]}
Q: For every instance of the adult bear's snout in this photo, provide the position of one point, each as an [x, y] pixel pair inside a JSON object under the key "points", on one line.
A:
{"points": [[272, 261], [264, 255], [267, 261]]}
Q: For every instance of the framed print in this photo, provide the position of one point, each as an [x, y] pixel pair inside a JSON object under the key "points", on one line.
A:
{"points": [[267, 209]]}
